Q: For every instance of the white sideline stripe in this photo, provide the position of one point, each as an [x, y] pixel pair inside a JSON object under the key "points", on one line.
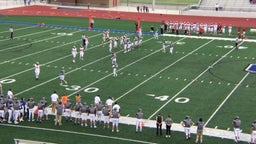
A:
{"points": [[23, 141], [210, 38], [27, 35], [195, 78], [188, 83], [212, 132], [78, 133], [149, 77], [18, 29], [178, 127], [226, 98], [37, 41], [44, 50]]}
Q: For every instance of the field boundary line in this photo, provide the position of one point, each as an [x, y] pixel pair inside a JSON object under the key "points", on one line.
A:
{"points": [[47, 63], [212, 132], [42, 40], [187, 84], [227, 97], [17, 37], [78, 133], [18, 29], [43, 50], [208, 37]]}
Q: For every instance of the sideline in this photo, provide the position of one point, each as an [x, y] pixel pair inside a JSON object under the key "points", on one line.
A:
{"points": [[78, 133], [209, 38]]}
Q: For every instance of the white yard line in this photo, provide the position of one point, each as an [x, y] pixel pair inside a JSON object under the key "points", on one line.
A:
{"points": [[188, 83], [76, 70], [42, 50], [78, 133], [118, 71], [18, 29], [150, 76], [35, 42], [7, 39], [210, 38], [227, 97], [63, 57]]}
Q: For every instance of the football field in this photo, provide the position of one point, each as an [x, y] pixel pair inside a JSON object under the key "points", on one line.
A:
{"points": [[204, 77]]}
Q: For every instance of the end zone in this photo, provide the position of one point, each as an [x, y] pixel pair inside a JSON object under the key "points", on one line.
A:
{"points": [[251, 68]]}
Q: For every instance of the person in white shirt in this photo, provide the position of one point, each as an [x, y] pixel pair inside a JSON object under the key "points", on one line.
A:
{"points": [[11, 32], [37, 70], [81, 52], [117, 107], [109, 102], [113, 58], [86, 42], [54, 99], [74, 53], [115, 66], [97, 100], [10, 94]]}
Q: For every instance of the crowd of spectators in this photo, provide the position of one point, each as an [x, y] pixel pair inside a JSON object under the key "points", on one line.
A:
{"points": [[143, 9]]}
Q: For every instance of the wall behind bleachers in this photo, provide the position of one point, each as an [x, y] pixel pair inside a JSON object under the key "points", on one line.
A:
{"points": [[93, 3]]}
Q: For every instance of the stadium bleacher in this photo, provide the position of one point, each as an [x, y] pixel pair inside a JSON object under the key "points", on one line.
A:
{"points": [[228, 5]]}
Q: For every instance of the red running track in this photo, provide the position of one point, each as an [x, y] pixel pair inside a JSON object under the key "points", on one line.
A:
{"points": [[37, 10]]}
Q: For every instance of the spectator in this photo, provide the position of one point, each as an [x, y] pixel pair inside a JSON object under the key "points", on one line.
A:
{"points": [[217, 7], [88, 5], [138, 8]]}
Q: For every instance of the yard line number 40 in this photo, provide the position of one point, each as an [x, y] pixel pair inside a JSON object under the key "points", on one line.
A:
{"points": [[166, 97]]}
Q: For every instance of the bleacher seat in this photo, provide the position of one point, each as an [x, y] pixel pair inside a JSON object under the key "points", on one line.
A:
{"points": [[228, 5]]}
